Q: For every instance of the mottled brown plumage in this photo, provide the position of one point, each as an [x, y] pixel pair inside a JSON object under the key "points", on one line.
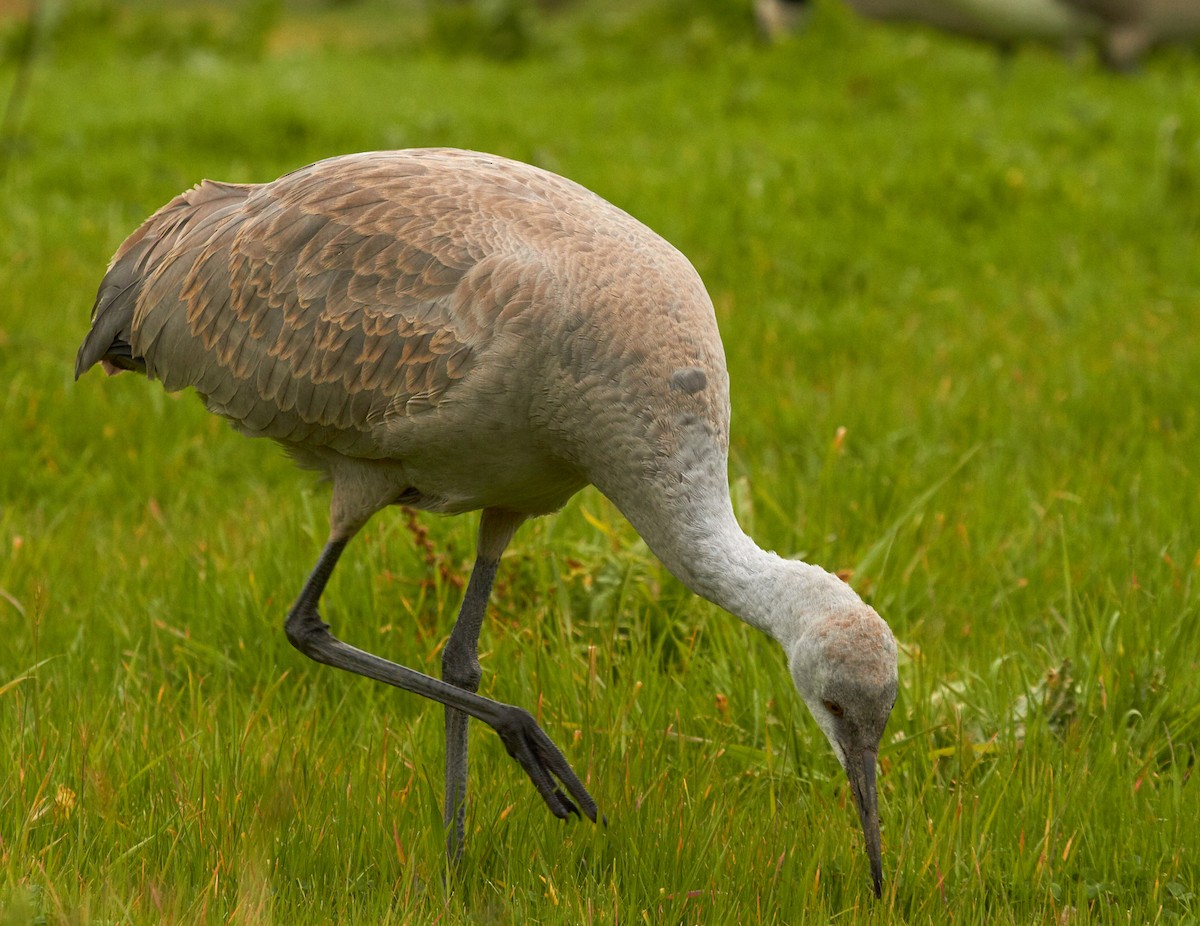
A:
{"points": [[387, 306], [319, 317], [455, 331]]}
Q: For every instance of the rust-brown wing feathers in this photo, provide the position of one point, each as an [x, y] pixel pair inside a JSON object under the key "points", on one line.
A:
{"points": [[311, 308], [110, 337]]}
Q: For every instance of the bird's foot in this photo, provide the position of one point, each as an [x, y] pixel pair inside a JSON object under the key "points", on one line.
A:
{"points": [[545, 764]]}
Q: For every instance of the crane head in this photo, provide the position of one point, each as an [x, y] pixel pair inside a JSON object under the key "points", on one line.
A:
{"points": [[844, 666]]}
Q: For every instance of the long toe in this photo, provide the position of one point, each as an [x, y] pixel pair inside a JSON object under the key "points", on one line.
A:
{"points": [[544, 762], [567, 802], [558, 765]]}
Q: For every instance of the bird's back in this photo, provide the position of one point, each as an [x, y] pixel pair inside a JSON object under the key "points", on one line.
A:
{"points": [[389, 304]]}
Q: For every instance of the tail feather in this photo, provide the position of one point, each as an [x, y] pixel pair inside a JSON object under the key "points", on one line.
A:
{"points": [[112, 318], [111, 338]]}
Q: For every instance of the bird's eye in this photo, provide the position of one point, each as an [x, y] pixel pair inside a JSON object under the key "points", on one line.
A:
{"points": [[834, 708]]}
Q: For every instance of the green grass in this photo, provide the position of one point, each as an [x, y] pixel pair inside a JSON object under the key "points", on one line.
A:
{"points": [[986, 272]]}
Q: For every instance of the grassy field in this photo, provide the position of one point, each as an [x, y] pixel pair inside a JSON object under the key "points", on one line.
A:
{"points": [[960, 298]]}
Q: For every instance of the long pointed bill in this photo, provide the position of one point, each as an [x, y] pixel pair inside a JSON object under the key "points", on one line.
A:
{"points": [[860, 768]]}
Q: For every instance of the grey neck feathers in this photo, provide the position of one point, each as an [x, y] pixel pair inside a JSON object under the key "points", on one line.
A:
{"points": [[680, 505], [705, 548]]}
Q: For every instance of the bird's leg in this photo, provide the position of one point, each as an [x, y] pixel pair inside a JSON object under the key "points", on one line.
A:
{"points": [[460, 665], [522, 737], [304, 628]]}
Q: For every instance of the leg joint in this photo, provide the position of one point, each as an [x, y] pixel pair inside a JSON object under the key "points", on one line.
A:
{"points": [[305, 630], [460, 667]]}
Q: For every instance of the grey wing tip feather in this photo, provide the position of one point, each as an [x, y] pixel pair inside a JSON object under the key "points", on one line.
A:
{"points": [[112, 317], [109, 340], [116, 357]]}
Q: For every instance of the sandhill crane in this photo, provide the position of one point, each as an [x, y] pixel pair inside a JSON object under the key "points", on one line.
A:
{"points": [[1131, 27], [453, 331], [1123, 29], [1001, 22]]}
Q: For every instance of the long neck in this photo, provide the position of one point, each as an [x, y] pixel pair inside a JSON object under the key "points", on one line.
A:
{"points": [[689, 524]]}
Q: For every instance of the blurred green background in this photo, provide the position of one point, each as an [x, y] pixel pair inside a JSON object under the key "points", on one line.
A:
{"points": [[959, 292]]}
